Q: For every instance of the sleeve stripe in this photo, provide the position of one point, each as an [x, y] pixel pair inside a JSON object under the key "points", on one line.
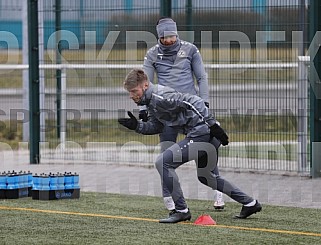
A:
{"points": [[196, 111], [158, 96]]}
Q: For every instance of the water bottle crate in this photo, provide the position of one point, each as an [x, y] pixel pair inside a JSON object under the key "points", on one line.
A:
{"points": [[2, 194], [50, 186], [14, 193], [56, 194], [14, 185]]}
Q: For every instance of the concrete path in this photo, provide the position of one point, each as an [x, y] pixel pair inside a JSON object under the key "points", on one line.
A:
{"points": [[144, 180]]}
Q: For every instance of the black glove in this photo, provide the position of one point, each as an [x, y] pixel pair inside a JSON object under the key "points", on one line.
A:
{"points": [[219, 133], [143, 115], [130, 123], [207, 104]]}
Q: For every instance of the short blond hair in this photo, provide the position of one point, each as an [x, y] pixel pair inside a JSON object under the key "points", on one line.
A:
{"points": [[134, 78]]}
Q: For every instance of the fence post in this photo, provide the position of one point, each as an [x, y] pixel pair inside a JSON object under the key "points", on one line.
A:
{"points": [[25, 72], [58, 59], [166, 8], [42, 71], [34, 80], [63, 107], [315, 88], [189, 21], [302, 112]]}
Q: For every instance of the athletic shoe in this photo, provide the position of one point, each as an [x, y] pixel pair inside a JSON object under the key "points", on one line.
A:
{"points": [[247, 211], [176, 217], [171, 212], [219, 203]]}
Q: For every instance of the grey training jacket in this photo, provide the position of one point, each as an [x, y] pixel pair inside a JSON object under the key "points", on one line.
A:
{"points": [[177, 68], [174, 109]]}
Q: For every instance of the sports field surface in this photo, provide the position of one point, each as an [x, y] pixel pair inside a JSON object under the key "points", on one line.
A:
{"points": [[100, 218]]}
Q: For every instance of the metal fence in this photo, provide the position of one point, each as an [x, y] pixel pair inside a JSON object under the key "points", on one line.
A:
{"points": [[250, 50]]}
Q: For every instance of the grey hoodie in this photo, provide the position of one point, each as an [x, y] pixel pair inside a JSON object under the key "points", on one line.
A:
{"points": [[185, 112]]}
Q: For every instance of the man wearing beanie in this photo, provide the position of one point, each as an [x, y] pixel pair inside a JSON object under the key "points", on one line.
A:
{"points": [[176, 63]]}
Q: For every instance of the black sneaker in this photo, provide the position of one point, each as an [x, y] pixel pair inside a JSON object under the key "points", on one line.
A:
{"points": [[247, 211], [175, 217], [171, 212]]}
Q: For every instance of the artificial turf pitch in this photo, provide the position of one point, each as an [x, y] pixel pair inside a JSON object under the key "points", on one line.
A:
{"points": [[100, 218]]}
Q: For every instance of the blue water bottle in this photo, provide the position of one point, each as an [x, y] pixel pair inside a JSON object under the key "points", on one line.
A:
{"points": [[3, 181], [25, 179], [44, 182], [12, 181], [36, 182], [68, 181], [16, 180], [53, 182], [30, 179], [60, 181], [76, 181], [20, 179]]}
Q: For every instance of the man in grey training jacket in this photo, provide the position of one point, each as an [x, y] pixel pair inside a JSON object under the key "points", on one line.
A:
{"points": [[188, 115], [177, 64]]}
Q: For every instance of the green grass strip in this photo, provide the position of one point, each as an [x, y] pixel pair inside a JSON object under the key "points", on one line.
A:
{"points": [[299, 233]]}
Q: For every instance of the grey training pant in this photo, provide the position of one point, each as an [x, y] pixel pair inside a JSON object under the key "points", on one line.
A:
{"points": [[204, 152]]}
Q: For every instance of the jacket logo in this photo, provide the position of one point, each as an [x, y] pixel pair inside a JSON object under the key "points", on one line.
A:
{"points": [[181, 53]]}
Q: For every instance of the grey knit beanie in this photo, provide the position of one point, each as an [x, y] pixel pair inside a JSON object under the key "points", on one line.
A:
{"points": [[166, 27]]}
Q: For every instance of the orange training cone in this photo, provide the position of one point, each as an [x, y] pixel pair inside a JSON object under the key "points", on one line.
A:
{"points": [[205, 220]]}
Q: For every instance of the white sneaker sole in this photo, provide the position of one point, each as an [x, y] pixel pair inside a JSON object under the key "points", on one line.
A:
{"points": [[219, 207]]}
